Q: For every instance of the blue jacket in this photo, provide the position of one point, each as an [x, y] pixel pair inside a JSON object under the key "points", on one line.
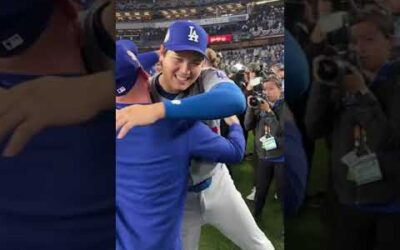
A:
{"points": [[152, 177]]}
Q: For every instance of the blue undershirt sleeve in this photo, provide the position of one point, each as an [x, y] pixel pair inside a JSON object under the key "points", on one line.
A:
{"points": [[223, 100], [206, 145]]}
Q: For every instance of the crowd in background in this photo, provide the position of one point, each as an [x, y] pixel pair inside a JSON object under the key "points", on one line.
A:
{"points": [[155, 4], [265, 56], [264, 20]]}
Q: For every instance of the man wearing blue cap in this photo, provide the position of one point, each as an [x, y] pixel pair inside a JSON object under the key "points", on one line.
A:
{"points": [[57, 193], [153, 163], [185, 90]]}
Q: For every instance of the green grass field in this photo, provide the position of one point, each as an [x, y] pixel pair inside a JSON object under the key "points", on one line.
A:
{"points": [[272, 221]]}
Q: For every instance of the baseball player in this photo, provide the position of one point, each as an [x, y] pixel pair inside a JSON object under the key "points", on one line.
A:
{"points": [[184, 90], [58, 193], [153, 163]]}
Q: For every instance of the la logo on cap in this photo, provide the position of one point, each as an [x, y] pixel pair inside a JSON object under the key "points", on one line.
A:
{"points": [[193, 35]]}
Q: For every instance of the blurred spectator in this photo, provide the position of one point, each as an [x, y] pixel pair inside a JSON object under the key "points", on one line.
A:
{"points": [[266, 56], [358, 113]]}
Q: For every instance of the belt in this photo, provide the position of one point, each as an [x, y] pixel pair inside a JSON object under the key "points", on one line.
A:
{"points": [[200, 186]]}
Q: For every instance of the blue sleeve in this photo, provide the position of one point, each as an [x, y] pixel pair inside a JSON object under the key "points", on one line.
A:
{"points": [[296, 170], [223, 100], [297, 72], [148, 60], [207, 145]]}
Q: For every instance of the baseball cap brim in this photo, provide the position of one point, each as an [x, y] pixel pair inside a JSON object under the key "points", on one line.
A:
{"points": [[185, 48]]}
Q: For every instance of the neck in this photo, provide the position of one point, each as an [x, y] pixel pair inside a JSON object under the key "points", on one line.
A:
{"points": [[57, 51], [371, 74], [165, 86]]}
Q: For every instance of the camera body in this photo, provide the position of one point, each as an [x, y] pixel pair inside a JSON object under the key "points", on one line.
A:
{"points": [[331, 68], [257, 96], [337, 59]]}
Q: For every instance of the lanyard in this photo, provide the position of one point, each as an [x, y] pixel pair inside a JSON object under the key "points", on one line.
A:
{"points": [[360, 140], [267, 130]]}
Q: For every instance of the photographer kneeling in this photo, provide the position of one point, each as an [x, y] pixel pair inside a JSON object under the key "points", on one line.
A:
{"points": [[263, 113]]}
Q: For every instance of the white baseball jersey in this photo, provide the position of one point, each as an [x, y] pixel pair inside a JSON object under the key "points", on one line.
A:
{"points": [[209, 77]]}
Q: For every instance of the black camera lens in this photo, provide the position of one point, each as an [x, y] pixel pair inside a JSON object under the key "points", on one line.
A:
{"points": [[253, 101], [328, 70]]}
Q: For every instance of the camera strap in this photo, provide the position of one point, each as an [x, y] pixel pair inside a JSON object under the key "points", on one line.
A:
{"points": [[267, 131], [360, 140]]}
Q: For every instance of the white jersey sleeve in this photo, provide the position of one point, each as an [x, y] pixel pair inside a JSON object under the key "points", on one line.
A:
{"points": [[210, 77]]}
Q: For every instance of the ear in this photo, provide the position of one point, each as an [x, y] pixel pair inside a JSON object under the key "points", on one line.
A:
{"points": [[163, 52]]}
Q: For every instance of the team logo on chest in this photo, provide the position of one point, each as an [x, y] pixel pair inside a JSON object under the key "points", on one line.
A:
{"points": [[193, 35]]}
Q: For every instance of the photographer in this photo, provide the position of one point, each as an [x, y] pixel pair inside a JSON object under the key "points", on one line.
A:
{"points": [[241, 80], [358, 108], [254, 86], [263, 113]]}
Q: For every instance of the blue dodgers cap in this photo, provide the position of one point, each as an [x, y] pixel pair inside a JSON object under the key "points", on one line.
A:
{"points": [[21, 24], [127, 66], [186, 35]]}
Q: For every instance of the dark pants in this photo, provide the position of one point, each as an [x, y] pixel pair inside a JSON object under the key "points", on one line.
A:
{"points": [[266, 170], [360, 230]]}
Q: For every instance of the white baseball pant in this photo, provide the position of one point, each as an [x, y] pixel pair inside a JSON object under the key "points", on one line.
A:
{"points": [[223, 207]]}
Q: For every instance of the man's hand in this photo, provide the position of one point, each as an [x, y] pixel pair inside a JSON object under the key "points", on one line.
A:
{"points": [[48, 101], [264, 106], [138, 115], [354, 82], [231, 120], [317, 35]]}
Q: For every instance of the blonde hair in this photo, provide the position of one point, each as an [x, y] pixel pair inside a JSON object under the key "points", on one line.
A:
{"points": [[213, 58]]}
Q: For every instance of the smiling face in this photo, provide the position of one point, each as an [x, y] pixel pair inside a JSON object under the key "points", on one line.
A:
{"points": [[370, 44], [179, 69]]}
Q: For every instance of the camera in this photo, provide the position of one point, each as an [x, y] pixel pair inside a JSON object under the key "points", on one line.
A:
{"points": [[331, 68], [257, 97]]}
